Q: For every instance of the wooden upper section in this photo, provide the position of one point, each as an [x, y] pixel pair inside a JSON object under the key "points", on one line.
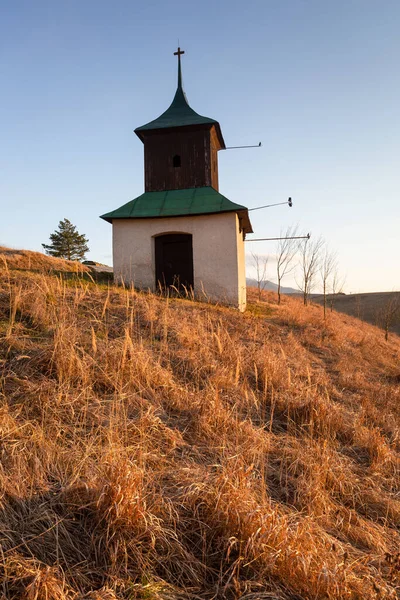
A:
{"points": [[180, 146], [181, 158]]}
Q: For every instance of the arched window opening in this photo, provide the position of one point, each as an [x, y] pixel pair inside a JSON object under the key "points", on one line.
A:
{"points": [[176, 161]]}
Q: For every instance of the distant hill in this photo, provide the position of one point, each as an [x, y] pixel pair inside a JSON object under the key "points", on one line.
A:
{"points": [[370, 307], [270, 286]]}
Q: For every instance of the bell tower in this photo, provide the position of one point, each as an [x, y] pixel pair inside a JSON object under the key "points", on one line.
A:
{"points": [[180, 146], [181, 235]]}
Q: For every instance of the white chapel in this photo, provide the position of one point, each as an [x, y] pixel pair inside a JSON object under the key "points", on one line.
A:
{"points": [[181, 234]]}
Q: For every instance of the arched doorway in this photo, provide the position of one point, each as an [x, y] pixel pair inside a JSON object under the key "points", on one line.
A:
{"points": [[174, 261]]}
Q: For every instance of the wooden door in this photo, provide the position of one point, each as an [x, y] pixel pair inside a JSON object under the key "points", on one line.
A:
{"points": [[174, 261]]}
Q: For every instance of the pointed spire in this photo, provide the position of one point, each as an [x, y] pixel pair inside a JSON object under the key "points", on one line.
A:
{"points": [[179, 113], [180, 96], [178, 54]]}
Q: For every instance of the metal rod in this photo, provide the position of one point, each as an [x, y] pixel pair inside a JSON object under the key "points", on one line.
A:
{"points": [[294, 237], [236, 147], [267, 206], [288, 202]]}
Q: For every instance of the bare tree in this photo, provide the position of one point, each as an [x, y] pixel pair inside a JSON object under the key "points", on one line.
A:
{"points": [[337, 286], [310, 258], [388, 313], [285, 255], [327, 268], [260, 263]]}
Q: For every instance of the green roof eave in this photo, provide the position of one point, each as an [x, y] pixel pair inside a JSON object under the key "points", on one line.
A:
{"points": [[179, 203]]}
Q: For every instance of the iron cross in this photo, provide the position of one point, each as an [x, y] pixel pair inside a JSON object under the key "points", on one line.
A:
{"points": [[179, 52]]}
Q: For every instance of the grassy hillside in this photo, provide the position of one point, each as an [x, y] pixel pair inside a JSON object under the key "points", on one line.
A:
{"points": [[36, 261], [154, 448], [374, 307]]}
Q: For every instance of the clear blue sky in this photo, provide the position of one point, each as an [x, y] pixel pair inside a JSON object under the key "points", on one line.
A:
{"points": [[316, 81]]}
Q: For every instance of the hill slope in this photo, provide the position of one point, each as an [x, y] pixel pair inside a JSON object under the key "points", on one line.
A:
{"points": [[155, 448], [37, 261], [373, 307]]}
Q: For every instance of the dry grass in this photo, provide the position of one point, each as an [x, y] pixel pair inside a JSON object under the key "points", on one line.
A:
{"points": [[36, 261], [154, 448]]}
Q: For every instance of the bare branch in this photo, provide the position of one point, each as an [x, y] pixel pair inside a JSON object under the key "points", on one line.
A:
{"points": [[327, 267], [286, 252], [337, 285], [260, 264], [388, 313], [310, 259]]}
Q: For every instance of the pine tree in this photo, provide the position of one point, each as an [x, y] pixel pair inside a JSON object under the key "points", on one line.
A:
{"points": [[67, 242]]}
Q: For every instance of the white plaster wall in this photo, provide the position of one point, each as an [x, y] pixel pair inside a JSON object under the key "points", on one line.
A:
{"points": [[241, 268], [218, 253]]}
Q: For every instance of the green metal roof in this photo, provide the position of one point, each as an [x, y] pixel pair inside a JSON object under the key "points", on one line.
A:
{"points": [[179, 114], [179, 203]]}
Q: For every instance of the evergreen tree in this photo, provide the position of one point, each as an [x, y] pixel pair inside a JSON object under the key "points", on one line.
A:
{"points": [[67, 242]]}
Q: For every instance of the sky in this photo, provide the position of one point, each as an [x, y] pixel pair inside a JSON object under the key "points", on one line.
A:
{"points": [[317, 82]]}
